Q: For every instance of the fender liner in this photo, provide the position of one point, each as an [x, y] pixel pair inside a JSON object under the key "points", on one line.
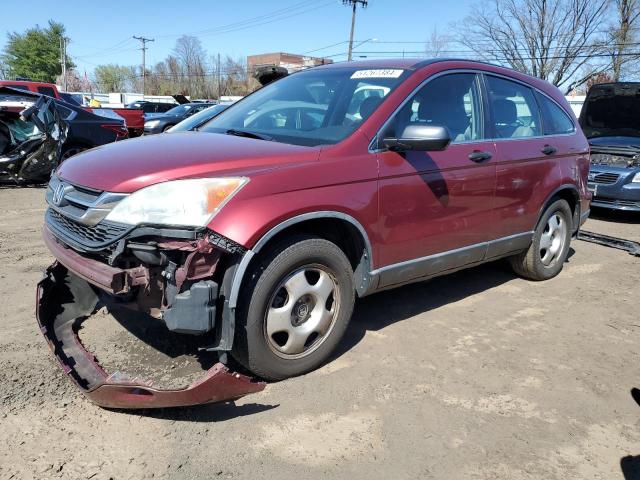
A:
{"points": [[239, 270], [576, 213]]}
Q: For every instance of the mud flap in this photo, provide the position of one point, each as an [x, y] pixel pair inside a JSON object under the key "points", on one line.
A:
{"points": [[64, 301]]}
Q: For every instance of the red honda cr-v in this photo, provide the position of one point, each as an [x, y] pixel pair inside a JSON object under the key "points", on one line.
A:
{"points": [[260, 229]]}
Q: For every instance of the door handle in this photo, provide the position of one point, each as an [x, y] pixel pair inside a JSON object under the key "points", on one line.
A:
{"points": [[549, 150], [478, 156]]}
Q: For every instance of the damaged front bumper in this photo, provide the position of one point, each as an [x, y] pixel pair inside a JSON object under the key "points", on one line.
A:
{"points": [[64, 301]]}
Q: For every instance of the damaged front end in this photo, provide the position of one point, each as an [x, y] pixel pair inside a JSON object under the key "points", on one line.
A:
{"points": [[180, 277], [31, 136]]}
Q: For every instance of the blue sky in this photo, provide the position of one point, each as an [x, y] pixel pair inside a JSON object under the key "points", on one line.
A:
{"points": [[102, 34]]}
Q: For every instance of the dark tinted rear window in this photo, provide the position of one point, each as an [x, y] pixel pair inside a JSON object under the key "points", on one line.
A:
{"points": [[555, 120], [47, 91], [165, 107]]}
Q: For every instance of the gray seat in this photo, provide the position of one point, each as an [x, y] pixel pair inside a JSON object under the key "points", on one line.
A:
{"points": [[442, 111], [506, 120]]}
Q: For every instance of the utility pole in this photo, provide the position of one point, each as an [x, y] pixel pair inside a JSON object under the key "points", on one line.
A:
{"points": [[354, 4], [143, 42], [219, 79], [63, 61]]}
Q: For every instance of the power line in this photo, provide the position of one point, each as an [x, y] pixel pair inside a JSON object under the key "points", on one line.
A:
{"points": [[95, 53], [274, 16]]}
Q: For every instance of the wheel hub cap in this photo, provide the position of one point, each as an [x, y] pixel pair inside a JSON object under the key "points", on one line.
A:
{"points": [[553, 239], [301, 312]]}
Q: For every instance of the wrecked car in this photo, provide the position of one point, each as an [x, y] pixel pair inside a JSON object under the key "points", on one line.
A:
{"points": [[31, 136], [610, 118], [259, 230]]}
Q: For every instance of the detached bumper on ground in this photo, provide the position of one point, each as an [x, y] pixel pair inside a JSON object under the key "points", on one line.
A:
{"points": [[64, 300]]}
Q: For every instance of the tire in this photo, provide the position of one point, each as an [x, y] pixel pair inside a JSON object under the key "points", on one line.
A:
{"points": [[295, 307], [71, 150], [545, 257], [167, 127]]}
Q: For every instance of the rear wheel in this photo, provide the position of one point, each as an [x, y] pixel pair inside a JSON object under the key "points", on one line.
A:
{"points": [[295, 309], [550, 246]]}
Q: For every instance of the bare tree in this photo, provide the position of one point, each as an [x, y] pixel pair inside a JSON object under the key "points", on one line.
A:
{"points": [[550, 39], [622, 37], [191, 58], [437, 44]]}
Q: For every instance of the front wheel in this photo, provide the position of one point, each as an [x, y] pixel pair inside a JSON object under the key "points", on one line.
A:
{"points": [[70, 151], [297, 304], [550, 246]]}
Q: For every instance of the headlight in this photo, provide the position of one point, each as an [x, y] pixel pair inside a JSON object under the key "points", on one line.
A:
{"points": [[152, 123], [636, 178], [190, 203]]}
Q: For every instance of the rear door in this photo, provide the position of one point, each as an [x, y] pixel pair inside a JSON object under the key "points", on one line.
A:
{"points": [[528, 162], [436, 207]]}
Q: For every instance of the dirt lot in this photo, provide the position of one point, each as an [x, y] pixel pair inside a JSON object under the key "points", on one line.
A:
{"points": [[475, 375]]}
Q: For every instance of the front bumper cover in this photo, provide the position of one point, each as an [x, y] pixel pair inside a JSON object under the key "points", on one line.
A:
{"points": [[64, 300]]}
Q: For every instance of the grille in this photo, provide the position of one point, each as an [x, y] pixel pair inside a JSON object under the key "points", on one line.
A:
{"points": [[96, 237], [605, 178], [617, 203]]}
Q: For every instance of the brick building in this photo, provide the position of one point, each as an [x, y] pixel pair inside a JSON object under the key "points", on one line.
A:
{"points": [[290, 61]]}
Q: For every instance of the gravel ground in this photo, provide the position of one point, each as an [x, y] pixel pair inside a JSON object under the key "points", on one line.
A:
{"points": [[478, 375]]}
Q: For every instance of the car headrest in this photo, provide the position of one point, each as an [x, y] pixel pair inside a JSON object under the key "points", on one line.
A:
{"points": [[443, 111], [368, 105], [505, 112]]}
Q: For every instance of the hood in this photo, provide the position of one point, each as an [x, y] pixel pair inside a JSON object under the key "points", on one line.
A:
{"points": [[163, 116], [612, 110], [129, 165], [615, 142]]}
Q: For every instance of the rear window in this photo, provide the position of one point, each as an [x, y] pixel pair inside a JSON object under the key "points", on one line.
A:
{"points": [[19, 87], [514, 109], [47, 91], [555, 119]]}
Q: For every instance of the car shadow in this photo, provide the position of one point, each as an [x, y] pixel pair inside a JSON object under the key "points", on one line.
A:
{"points": [[6, 185], [617, 216], [371, 313], [207, 413], [630, 466], [378, 311]]}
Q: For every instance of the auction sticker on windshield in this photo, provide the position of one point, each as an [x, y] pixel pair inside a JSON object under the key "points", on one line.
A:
{"points": [[378, 73]]}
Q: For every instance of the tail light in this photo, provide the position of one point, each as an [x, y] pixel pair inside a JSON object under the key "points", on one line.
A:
{"points": [[120, 130]]}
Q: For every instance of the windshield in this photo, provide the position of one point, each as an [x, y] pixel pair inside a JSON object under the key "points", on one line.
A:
{"points": [[612, 112], [314, 107], [179, 110], [198, 119]]}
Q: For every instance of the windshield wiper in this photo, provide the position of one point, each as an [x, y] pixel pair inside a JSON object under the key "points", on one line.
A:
{"points": [[244, 133]]}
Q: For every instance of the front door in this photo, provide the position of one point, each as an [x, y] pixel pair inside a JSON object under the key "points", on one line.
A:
{"points": [[436, 207]]}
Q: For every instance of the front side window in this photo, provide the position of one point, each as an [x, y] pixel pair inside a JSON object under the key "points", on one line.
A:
{"points": [[514, 109], [314, 107], [555, 120], [451, 101]]}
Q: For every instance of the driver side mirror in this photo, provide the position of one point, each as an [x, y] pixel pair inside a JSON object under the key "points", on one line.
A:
{"points": [[422, 138]]}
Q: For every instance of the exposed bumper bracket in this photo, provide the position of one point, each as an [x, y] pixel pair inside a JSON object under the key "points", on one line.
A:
{"points": [[64, 300], [627, 245]]}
